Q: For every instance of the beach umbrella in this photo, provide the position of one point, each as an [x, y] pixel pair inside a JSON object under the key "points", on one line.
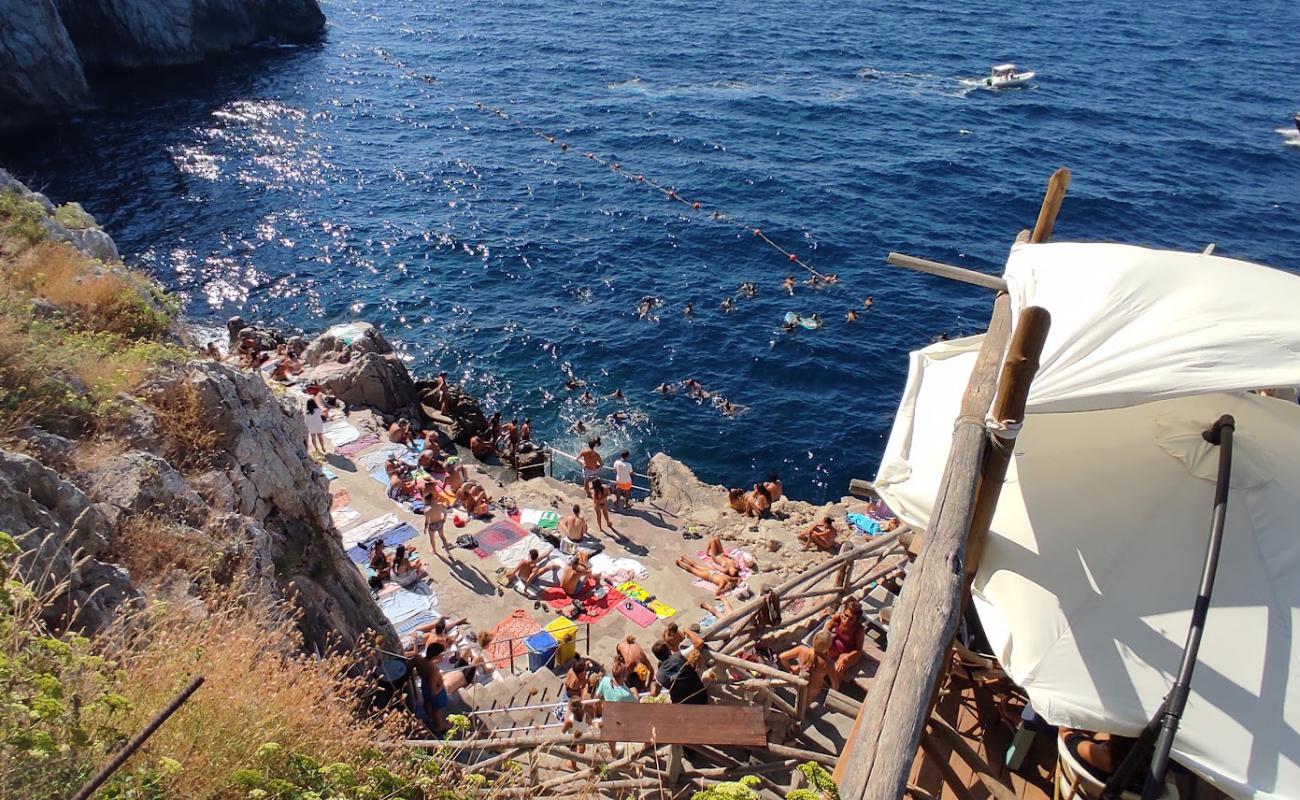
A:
{"points": [[1095, 553]]}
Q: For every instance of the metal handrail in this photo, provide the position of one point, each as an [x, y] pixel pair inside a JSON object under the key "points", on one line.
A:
{"points": [[552, 450]]}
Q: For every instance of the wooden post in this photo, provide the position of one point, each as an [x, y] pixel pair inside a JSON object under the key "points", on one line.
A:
{"points": [[674, 764], [879, 750], [1018, 373], [1056, 186]]}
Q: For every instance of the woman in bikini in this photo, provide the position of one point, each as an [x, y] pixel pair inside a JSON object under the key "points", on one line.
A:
{"points": [[847, 636], [721, 580]]}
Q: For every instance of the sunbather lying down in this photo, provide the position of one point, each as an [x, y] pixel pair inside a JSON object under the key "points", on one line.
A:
{"points": [[728, 565], [721, 580]]}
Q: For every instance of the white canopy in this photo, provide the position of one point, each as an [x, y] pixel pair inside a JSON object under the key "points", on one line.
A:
{"points": [[1091, 568]]}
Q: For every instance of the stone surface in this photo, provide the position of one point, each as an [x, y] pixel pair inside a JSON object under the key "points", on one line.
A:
{"points": [[371, 380], [61, 533], [41, 70], [46, 46], [464, 416], [136, 482], [272, 502], [363, 338]]}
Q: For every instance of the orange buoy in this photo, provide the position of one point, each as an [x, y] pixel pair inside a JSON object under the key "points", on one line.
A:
{"points": [[794, 257], [695, 206]]}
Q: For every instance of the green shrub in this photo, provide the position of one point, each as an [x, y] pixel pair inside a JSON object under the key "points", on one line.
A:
{"points": [[73, 217], [20, 220]]}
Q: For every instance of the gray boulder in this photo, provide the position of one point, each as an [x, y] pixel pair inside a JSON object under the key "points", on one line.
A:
{"points": [[354, 338], [379, 382], [43, 73], [136, 482], [61, 535]]}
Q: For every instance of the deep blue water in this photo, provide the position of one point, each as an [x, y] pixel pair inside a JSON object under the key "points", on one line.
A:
{"points": [[313, 185]]}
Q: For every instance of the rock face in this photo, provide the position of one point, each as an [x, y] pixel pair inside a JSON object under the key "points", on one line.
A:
{"points": [[46, 46], [379, 382], [62, 534], [354, 338], [268, 497]]}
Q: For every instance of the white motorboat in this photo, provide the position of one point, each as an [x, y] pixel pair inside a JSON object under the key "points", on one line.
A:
{"points": [[1006, 76]]}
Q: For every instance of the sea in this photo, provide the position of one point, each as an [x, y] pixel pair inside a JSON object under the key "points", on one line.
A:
{"points": [[499, 185]]}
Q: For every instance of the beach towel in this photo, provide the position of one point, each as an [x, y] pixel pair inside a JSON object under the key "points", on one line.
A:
{"points": [[550, 520], [340, 498], [328, 473], [741, 556], [376, 459], [340, 432], [498, 536], [357, 445], [618, 570], [508, 635], [593, 609], [636, 612], [403, 605], [370, 529], [638, 593], [344, 516], [380, 474], [512, 555], [863, 523], [402, 534]]}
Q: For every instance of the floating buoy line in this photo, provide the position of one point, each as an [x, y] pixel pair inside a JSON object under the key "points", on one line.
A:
{"points": [[618, 168]]}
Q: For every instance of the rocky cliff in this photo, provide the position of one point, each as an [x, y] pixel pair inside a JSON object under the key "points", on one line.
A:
{"points": [[47, 47], [197, 476]]}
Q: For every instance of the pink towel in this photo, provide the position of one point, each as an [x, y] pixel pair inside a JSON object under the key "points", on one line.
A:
{"points": [[636, 612], [352, 448]]}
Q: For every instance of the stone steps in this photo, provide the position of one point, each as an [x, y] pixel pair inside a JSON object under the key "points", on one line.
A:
{"points": [[509, 698]]}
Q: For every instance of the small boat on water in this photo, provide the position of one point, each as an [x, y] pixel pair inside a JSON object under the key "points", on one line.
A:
{"points": [[1007, 76]]}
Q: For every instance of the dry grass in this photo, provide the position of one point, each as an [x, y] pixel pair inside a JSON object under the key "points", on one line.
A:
{"points": [[191, 442], [95, 297], [150, 547], [259, 689]]}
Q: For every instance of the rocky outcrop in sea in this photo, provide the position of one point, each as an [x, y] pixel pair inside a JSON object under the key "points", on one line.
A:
{"points": [[48, 47]]}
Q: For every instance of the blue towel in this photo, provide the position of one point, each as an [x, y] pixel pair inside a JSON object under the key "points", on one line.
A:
{"points": [[863, 523], [400, 534], [380, 474], [329, 473], [417, 506]]}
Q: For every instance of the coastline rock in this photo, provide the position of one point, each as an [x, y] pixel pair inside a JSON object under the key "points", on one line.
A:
{"points": [[61, 533], [464, 416], [47, 46], [42, 71], [681, 493], [357, 338], [142, 483], [375, 381], [271, 499]]}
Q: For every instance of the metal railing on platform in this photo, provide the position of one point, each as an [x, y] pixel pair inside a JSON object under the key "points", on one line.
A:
{"points": [[604, 471]]}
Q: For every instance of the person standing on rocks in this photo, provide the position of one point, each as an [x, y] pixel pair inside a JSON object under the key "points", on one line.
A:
{"points": [[591, 463], [435, 517], [600, 502], [314, 415], [623, 480]]}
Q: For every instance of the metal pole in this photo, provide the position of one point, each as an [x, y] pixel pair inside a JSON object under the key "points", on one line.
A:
{"points": [[1219, 434], [139, 739]]}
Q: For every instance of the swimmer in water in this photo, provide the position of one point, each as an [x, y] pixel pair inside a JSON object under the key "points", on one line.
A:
{"points": [[813, 282], [643, 309], [618, 394], [832, 279], [816, 319], [748, 289], [869, 302], [586, 398], [852, 316], [788, 284], [689, 311], [664, 389], [727, 305]]}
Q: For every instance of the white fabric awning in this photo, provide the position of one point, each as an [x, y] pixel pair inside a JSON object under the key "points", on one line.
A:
{"points": [[1092, 563]]}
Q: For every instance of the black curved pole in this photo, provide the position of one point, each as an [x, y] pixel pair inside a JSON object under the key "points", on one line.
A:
{"points": [[1220, 434]]}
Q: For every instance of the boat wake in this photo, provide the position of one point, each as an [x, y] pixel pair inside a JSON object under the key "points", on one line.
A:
{"points": [[1290, 136], [916, 83]]}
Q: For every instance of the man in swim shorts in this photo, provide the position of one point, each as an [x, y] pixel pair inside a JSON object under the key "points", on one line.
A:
{"points": [[623, 480], [433, 694], [591, 463]]}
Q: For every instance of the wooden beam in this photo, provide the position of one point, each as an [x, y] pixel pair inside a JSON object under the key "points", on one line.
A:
{"points": [[945, 733], [950, 776], [882, 744], [683, 724], [1056, 186], [785, 751], [860, 488], [530, 741], [876, 544], [948, 271]]}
